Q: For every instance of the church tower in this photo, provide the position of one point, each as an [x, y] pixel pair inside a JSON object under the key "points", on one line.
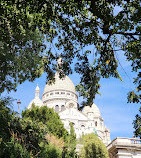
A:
{"points": [[37, 101], [37, 91]]}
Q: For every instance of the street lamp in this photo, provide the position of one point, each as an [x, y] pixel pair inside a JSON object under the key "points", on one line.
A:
{"points": [[19, 103]]}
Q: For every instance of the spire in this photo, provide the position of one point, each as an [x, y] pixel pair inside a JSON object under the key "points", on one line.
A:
{"points": [[37, 91]]}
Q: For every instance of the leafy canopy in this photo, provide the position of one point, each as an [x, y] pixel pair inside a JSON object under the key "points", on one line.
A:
{"points": [[137, 124], [93, 147], [48, 117], [14, 149], [109, 27], [70, 143], [26, 137]]}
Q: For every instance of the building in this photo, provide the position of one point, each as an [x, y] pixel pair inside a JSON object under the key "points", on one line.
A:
{"points": [[125, 148], [62, 97]]}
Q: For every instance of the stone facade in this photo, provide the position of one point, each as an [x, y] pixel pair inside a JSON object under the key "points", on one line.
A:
{"points": [[125, 148]]}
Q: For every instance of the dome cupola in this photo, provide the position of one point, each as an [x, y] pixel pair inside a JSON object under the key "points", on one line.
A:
{"points": [[64, 83], [62, 90]]}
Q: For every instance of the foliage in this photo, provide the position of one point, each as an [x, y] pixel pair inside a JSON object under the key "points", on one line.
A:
{"points": [[48, 117], [6, 116], [108, 27], [50, 151], [23, 137], [30, 133], [20, 46], [55, 129], [27, 134], [137, 124], [58, 143], [93, 147], [72, 141], [13, 149], [70, 144]]}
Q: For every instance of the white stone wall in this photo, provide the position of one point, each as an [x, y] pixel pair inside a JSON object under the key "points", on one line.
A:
{"points": [[125, 148], [60, 97]]}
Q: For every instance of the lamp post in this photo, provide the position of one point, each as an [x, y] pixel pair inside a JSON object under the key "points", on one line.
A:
{"points": [[19, 103]]}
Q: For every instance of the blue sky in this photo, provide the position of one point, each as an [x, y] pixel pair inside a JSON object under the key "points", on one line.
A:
{"points": [[117, 114]]}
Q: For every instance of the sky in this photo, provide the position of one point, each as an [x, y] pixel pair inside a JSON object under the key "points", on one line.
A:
{"points": [[117, 114]]}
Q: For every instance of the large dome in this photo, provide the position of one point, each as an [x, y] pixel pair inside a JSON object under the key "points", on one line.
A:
{"points": [[64, 83], [93, 108]]}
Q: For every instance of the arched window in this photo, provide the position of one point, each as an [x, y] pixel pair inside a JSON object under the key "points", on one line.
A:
{"points": [[62, 92], [63, 108], [82, 126], [96, 123], [83, 129], [57, 108]]}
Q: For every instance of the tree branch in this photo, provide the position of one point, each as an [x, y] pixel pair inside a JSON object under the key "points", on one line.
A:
{"points": [[126, 33], [107, 40]]}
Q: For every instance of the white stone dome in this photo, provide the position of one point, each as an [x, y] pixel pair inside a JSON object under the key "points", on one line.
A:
{"points": [[93, 108], [37, 101], [64, 83]]}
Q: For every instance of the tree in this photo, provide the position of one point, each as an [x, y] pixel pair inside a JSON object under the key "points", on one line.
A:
{"points": [[137, 124], [69, 27], [50, 151], [27, 139], [14, 149], [48, 117], [23, 137], [55, 129], [110, 32], [70, 144], [93, 147], [72, 140], [24, 28], [6, 116], [20, 47]]}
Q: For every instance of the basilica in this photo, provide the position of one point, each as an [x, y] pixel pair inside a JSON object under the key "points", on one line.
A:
{"points": [[62, 97]]}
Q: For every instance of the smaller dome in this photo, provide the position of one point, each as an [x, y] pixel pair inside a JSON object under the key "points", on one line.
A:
{"points": [[94, 109], [37, 101]]}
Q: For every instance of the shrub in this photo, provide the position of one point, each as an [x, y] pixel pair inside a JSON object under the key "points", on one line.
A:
{"points": [[93, 147]]}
